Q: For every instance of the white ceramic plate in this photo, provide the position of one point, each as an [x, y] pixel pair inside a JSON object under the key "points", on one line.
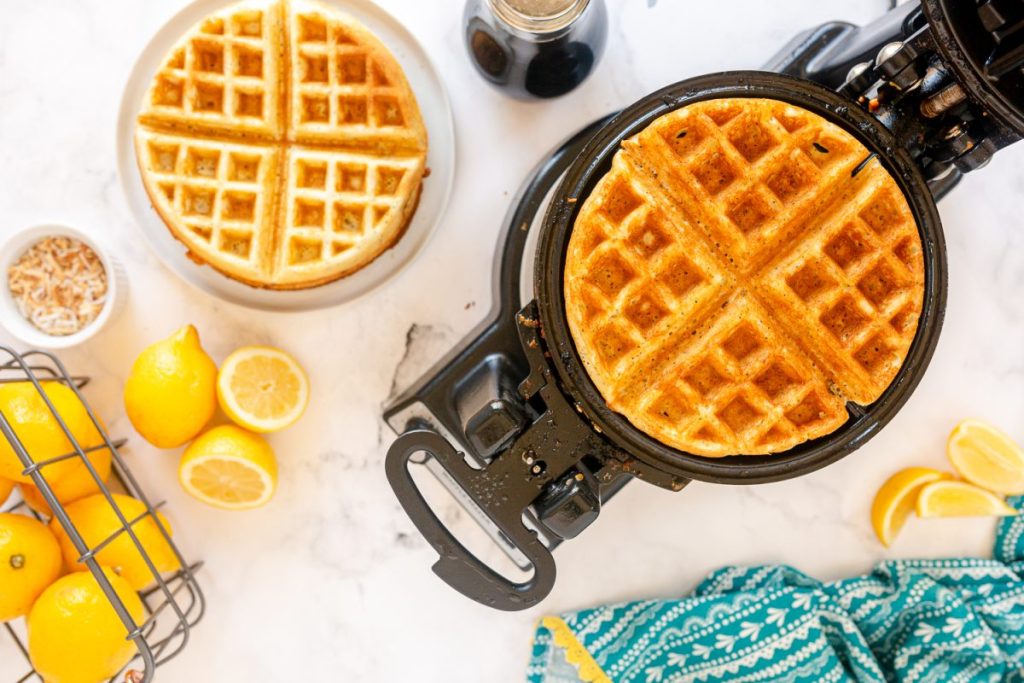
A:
{"points": [[437, 116]]}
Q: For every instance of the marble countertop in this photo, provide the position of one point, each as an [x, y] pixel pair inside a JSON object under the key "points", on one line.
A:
{"points": [[331, 581]]}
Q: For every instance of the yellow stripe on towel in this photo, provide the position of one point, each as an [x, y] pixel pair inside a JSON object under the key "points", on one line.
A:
{"points": [[575, 653]]}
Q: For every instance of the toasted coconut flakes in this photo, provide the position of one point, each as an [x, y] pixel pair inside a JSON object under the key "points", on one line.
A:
{"points": [[59, 285]]}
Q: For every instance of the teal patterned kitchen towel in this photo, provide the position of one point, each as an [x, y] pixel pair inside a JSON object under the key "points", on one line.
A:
{"points": [[921, 621]]}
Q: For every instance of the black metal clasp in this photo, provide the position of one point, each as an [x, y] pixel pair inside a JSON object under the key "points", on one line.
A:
{"points": [[537, 485], [457, 566]]}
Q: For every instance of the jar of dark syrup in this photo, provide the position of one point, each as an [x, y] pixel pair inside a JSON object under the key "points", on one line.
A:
{"points": [[535, 48]]}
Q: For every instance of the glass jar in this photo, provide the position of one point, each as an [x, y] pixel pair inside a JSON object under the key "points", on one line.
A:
{"points": [[535, 48]]}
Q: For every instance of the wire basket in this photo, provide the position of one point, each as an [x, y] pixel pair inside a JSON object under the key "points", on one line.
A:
{"points": [[174, 603]]}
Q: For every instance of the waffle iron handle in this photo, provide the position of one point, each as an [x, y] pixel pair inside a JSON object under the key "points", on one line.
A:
{"points": [[457, 566]]}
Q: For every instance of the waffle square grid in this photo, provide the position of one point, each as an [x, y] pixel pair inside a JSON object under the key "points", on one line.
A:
{"points": [[236, 116]]}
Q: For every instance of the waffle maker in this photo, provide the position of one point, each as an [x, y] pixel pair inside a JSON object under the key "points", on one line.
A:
{"points": [[510, 423]]}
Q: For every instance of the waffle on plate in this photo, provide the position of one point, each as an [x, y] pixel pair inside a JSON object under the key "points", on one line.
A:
{"points": [[742, 271], [280, 142]]}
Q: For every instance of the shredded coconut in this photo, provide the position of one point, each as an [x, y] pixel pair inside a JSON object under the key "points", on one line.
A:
{"points": [[59, 285]]}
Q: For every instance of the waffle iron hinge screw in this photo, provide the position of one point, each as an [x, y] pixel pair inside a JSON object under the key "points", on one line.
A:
{"points": [[899, 62], [859, 78], [887, 52], [942, 101], [856, 70]]}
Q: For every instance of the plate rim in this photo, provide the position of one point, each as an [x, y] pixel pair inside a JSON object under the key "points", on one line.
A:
{"points": [[280, 301]]}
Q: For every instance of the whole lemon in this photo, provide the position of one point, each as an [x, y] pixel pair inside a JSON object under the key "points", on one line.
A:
{"points": [[75, 484], [76, 481], [38, 430], [29, 562], [6, 486], [96, 520], [171, 392], [74, 634]]}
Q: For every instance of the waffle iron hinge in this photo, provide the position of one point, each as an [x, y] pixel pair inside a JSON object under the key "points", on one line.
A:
{"points": [[586, 469], [943, 76], [544, 483]]}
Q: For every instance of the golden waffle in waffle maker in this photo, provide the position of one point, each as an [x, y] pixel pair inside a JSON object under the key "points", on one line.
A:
{"points": [[513, 423]]}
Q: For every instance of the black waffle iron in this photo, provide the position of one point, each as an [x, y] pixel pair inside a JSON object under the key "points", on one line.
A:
{"points": [[510, 422]]}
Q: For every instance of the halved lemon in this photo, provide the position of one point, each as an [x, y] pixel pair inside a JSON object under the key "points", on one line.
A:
{"points": [[960, 499], [229, 468], [987, 457], [262, 388], [896, 499]]}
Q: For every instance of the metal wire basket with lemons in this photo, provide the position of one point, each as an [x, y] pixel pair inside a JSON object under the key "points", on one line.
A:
{"points": [[101, 587], [172, 395]]}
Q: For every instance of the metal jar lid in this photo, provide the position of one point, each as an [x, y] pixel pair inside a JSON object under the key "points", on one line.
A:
{"points": [[538, 16]]}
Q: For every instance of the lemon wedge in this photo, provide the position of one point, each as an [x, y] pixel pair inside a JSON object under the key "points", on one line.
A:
{"points": [[262, 389], [960, 499], [229, 468], [896, 499], [987, 457]]}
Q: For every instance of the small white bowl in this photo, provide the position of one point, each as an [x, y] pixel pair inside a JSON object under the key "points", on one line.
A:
{"points": [[14, 322]]}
